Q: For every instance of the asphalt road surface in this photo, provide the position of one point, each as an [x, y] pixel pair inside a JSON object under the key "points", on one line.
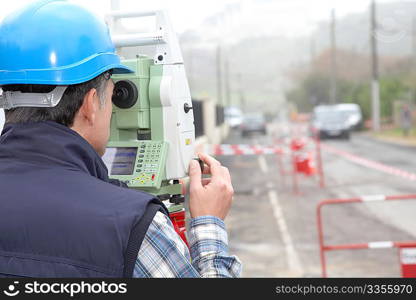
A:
{"points": [[274, 231]]}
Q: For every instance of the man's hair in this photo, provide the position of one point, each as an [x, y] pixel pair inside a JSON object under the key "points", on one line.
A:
{"points": [[64, 112]]}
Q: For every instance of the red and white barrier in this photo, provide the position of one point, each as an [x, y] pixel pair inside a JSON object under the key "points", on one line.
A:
{"points": [[305, 158], [407, 249], [243, 149], [408, 261]]}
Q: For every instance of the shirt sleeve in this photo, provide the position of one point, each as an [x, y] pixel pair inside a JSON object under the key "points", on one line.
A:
{"points": [[208, 242], [164, 254]]}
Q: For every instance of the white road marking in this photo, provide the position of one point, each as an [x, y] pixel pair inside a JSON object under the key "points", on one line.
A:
{"points": [[292, 256], [270, 186], [294, 264], [263, 165]]}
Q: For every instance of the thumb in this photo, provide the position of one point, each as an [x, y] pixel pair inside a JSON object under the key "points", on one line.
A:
{"points": [[195, 175]]}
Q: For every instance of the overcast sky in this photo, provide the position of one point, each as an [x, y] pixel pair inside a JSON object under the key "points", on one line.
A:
{"points": [[291, 17]]}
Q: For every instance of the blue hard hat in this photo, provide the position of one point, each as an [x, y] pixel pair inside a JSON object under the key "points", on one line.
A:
{"points": [[55, 42]]}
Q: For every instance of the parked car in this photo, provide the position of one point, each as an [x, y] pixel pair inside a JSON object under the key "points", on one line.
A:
{"points": [[352, 113], [233, 117], [253, 123], [330, 122]]}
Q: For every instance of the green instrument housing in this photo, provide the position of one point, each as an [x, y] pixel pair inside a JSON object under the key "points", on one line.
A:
{"points": [[140, 127]]}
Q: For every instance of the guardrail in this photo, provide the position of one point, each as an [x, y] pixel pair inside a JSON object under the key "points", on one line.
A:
{"points": [[407, 249]]}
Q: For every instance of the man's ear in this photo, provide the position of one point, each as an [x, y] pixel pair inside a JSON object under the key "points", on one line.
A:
{"points": [[89, 107]]}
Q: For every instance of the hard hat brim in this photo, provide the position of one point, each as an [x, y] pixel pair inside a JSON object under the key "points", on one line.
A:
{"points": [[121, 69], [80, 72]]}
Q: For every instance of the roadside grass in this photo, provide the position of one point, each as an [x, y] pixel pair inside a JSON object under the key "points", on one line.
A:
{"points": [[396, 135]]}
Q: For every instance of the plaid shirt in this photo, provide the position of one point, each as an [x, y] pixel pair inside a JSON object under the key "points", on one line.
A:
{"points": [[164, 254]]}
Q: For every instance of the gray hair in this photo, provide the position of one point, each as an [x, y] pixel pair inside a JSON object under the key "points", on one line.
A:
{"points": [[64, 113]]}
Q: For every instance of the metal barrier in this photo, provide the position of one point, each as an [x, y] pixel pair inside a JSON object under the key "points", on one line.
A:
{"points": [[407, 249], [302, 161], [317, 140]]}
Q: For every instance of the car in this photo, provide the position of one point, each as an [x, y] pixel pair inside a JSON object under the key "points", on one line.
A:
{"points": [[330, 122], [353, 114], [233, 117], [254, 122]]}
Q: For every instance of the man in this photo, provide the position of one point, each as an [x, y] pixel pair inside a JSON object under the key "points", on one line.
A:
{"points": [[60, 214], [406, 119]]}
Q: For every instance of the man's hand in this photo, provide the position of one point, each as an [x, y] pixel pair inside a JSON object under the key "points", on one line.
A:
{"points": [[210, 196]]}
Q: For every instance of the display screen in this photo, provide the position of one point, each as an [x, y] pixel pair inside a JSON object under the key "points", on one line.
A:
{"points": [[120, 160]]}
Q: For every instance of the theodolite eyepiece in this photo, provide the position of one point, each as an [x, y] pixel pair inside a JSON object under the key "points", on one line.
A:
{"points": [[125, 94]]}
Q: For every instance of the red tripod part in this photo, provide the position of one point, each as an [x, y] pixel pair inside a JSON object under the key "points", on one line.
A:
{"points": [[178, 220]]}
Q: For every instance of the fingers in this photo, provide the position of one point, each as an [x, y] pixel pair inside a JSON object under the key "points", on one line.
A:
{"points": [[213, 164], [226, 174], [207, 169], [227, 181], [215, 168], [206, 181], [195, 175], [210, 196]]}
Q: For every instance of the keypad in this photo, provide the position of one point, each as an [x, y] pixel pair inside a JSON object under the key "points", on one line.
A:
{"points": [[148, 163]]}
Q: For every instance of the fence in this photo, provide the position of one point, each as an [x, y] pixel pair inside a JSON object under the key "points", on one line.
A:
{"points": [[407, 249]]}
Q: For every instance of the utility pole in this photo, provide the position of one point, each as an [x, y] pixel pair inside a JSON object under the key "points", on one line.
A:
{"points": [[413, 61], [333, 96], [375, 86], [312, 49], [241, 92], [227, 81], [219, 77]]}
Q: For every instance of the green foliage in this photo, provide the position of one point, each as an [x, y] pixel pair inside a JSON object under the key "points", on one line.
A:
{"points": [[362, 96], [314, 89], [391, 89]]}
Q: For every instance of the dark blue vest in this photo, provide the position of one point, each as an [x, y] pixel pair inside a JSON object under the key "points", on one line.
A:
{"points": [[59, 214]]}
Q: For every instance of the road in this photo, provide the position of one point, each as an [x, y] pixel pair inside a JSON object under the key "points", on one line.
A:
{"points": [[274, 232]]}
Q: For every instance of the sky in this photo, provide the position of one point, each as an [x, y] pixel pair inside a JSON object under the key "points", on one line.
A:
{"points": [[288, 17]]}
